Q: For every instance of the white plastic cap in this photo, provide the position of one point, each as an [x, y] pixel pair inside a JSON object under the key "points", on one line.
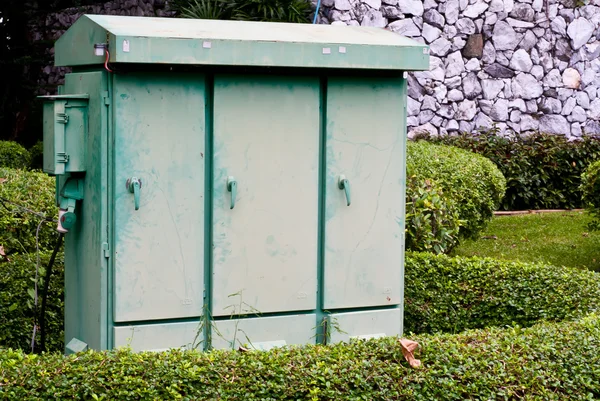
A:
{"points": [[60, 228]]}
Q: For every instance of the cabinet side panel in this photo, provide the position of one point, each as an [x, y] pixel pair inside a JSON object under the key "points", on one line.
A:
{"points": [[364, 241], [85, 264]]}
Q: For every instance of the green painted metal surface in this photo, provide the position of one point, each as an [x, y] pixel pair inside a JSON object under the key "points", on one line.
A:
{"points": [[248, 208], [158, 337], [86, 267], [365, 145], [266, 135], [159, 139], [365, 324], [65, 133], [264, 333], [237, 43]]}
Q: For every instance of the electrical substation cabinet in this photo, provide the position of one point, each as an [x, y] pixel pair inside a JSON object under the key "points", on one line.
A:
{"points": [[227, 183]]}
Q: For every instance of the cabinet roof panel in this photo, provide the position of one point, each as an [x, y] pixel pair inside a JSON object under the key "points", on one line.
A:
{"points": [[150, 40]]}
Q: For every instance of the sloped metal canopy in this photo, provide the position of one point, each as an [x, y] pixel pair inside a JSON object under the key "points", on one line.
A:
{"points": [[239, 43]]}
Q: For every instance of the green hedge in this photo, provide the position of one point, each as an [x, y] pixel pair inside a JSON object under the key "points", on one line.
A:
{"points": [[34, 191], [543, 171], [452, 294], [17, 280], [37, 156], [432, 220], [544, 362], [13, 155], [590, 193], [473, 182], [442, 294]]}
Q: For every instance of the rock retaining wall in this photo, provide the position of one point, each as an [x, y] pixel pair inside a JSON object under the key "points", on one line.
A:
{"points": [[521, 64], [49, 28]]}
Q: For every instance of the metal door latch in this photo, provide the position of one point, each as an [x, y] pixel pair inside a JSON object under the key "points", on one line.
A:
{"points": [[134, 186], [232, 187], [344, 184]]}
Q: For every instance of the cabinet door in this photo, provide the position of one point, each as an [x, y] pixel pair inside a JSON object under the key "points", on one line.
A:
{"points": [[266, 136], [364, 241], [158, 249]]}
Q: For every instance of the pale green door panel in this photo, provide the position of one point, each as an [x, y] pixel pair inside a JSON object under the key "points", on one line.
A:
{"points": [[158, 249], [158, 337], [365, 324], [266, 136], [86, 268], [264, 333], [365, 144]]}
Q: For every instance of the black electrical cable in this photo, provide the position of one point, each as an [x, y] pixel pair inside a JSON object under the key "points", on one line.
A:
{"points": [[46, 289], [4, 201]]}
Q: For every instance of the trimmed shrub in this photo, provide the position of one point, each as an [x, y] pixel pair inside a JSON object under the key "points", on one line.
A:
{"points": [[444, 294], [31, 190], [13, 155], [471, 181], [543, 171], [37, 156], [544, 362], [432, 222], [17, 281], [590, 189]]}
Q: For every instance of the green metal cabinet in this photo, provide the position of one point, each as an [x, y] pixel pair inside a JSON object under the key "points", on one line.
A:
{"points": [[227, 183]]}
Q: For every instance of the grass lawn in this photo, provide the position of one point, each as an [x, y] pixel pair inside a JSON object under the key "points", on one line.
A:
{"points": [[560, 239]]}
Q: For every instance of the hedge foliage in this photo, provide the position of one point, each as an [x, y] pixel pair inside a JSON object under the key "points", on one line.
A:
{"points": [[17, 281], [432, 221], [544, 362], [13, 155], [590, 188], [34, 191], [471, 181], [442, 294], [543, 171], [37, 156], [452, 294], [295, 11]]}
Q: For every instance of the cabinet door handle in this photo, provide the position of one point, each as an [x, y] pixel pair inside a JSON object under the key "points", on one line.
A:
{"points": [[134, 185], [344, 184], [232, 187]]}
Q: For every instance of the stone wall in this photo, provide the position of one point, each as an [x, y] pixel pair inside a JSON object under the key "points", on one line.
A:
{"points": [[522, 64], [49, 28]]}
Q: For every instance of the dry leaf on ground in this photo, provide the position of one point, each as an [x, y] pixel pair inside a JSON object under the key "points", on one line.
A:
{"points": [[408, 347]]}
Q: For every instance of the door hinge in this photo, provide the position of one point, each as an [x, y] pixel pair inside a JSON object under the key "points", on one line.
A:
{"points": [[62, 118], [62, 157], [106, 98], [106, 250]]}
